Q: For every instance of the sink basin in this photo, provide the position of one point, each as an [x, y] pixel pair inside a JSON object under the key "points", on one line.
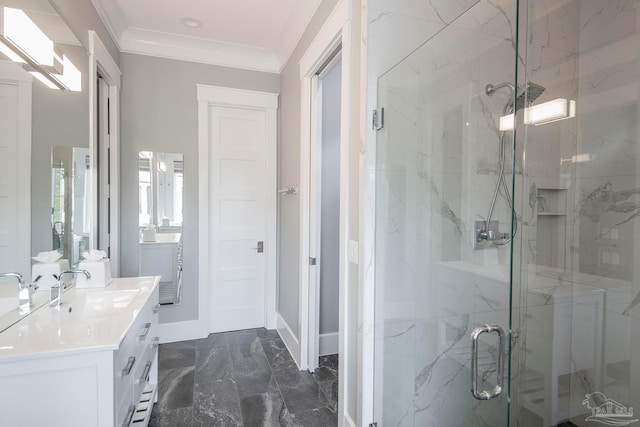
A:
{"points": [[98, 303], [8, 304]]}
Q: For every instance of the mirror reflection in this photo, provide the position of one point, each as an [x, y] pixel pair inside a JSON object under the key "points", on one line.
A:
{"points": [[160, 219], [160, 177], [40, 197], [70, 201]]}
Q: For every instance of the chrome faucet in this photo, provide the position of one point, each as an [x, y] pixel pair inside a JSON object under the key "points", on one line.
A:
{"points": [[55, 292], [24, 293]]}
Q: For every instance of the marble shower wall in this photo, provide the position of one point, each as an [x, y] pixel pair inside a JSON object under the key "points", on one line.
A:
{"points": [[580, 204], [437, 167]]}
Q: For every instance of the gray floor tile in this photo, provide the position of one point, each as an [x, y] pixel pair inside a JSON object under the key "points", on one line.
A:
{"points": [[243, 344], [241, 377], [177, 354], [277, 354], [267, 334], [330, 390], [175, 388], [217, 404], [304, 397], [292, 377], [324, 417], [264, 410], [213, 364], [213, 341], [256, 383], [171, 418]]}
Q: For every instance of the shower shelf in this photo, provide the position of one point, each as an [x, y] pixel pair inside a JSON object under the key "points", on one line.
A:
{"points": [[552, 213]]}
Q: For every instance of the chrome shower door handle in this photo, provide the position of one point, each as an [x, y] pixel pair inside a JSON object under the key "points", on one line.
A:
{"points": [[475, 335]]}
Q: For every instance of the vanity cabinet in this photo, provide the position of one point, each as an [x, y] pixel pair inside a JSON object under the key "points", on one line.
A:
{"points": [[163, 258], [93, 362]]}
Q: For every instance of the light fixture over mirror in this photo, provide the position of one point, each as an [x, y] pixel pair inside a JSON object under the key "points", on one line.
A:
{"points": [[22, 41]]}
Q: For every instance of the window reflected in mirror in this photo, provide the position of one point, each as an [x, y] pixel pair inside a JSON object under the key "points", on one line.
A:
{"points": [[160, 190]]}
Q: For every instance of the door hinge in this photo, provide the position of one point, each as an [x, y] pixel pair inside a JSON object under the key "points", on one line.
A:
{"points": [[312, 261], [373, 425], [378, 119]]}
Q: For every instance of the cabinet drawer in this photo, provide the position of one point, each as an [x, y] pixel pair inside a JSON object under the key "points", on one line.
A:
{"points": [[125, 362], [143, 372], [126, 409]]}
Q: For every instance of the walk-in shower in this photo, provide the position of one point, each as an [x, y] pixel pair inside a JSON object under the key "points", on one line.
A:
{"points": [[565, 288], [517, 100]]}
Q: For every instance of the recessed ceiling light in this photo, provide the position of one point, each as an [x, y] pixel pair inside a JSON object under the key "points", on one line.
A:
{"points": [[191, 22]]}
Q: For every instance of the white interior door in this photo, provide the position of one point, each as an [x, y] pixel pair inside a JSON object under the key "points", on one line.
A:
{"points": [[9, 215], [15, 169], [237, 146]]}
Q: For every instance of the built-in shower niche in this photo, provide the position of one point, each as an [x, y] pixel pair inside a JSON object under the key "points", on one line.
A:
{"points": [[551, 230]]}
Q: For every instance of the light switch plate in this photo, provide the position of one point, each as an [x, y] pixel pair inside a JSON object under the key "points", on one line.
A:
{"points": [[353, 251]]}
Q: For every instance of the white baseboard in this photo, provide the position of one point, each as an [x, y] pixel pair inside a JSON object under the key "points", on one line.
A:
{"points": [[329, 343], [289, 338], [180, 331], [348, 422]]}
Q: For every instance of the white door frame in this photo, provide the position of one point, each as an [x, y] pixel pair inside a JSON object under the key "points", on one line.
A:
{"points": [[100, 61], [336, 31], [263, 101]]}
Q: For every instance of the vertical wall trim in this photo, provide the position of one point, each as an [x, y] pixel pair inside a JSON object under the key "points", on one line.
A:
{"points": [[335, 31], [100, 60]]}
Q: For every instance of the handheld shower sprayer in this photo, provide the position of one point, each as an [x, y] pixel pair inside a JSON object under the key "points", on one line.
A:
{"points": [[518, 99]]}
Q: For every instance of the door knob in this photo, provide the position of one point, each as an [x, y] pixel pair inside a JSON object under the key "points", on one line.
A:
{"points": [[260, 247]]}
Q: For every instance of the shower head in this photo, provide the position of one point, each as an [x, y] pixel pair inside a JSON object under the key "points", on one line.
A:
{"points": [[527, 93]]}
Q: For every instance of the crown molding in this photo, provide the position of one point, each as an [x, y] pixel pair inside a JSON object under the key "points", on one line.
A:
{"points": [[193, 49], [112, 17], [294, 30], [214, 52]]}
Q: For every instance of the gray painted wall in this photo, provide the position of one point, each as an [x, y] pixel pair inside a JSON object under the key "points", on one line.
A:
{"points": [[289, 174], [330, 202], [160, 113], [81, 17], [59, 119]]}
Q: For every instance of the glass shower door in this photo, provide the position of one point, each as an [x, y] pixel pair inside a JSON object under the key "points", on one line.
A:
{"points": [[443, 269]]}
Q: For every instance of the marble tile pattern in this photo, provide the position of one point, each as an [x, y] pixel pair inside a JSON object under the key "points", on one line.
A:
{"points": [[243, 378], [434, 171]]}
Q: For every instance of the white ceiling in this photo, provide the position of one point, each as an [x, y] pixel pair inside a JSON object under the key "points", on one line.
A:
{"points": [[251, 34]]}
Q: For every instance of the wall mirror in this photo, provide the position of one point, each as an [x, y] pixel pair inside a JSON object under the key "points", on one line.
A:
{"points": [[59, 130], [70, 201], [160, 191]]}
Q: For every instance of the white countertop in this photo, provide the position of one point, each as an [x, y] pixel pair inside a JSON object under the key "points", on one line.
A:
{"points": [[164, 238], [87, 320]]}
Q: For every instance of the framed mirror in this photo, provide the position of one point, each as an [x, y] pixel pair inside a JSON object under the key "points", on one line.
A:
{"points": [[160, 200]]}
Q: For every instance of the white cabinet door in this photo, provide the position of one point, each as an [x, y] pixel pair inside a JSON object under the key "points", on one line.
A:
{"points": [[237, 147]]}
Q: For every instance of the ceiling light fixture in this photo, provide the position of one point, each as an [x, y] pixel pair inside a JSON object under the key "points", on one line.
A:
{"points": [[22, 41], [191, 22]]}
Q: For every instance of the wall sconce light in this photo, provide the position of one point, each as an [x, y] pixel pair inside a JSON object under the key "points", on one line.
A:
{"points": [[540, 114], [551, 111], [23, 42]]}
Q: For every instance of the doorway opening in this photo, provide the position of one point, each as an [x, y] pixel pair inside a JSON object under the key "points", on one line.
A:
{"points": [[324, 218]]}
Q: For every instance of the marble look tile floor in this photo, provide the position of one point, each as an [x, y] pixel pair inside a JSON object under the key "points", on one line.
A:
{"points": [[244, 378]]}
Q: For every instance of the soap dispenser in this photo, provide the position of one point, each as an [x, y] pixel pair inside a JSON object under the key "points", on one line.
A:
{"points": [[149, 233]]}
